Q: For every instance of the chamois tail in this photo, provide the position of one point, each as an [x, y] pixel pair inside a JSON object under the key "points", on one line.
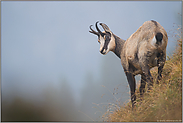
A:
{"points": [[159, 37]]}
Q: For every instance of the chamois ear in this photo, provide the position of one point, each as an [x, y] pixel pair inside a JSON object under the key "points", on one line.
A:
{"points": [[105, 27]]}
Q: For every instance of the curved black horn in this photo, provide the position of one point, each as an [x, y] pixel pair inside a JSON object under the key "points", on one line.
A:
{"points": [[92, 31], [98, 28]]}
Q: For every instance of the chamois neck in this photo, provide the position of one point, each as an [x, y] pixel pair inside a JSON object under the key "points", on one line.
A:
{"points": [[119, 46]]}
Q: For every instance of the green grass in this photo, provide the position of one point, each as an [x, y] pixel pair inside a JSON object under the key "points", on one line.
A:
{"points": [[163, 103]]}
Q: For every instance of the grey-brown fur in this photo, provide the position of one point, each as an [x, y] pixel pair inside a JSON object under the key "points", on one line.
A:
{"points": [[143, 50]]}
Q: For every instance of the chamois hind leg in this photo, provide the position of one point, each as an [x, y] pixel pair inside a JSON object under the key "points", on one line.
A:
{"points": [[160, 69], [131, 81], [143, 84], [161, 62], [146, 71]]}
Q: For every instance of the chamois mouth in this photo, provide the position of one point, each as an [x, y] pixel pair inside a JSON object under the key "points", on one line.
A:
{"points": [[102, 52]]}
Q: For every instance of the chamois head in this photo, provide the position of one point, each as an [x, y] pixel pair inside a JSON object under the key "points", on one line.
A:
{"points": [[105, 38]]}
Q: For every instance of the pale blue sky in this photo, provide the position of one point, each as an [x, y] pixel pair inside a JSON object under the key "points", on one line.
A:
{"points": [[43, 43]]}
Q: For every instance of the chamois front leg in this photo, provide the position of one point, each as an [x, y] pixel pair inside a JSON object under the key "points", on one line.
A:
{"points": [[132, 84]]}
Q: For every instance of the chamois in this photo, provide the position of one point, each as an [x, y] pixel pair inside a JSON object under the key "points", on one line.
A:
{"points": [[143, 50]]}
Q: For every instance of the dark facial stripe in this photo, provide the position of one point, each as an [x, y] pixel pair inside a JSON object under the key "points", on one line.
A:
{"points": [[107, 40], [105, 46]]}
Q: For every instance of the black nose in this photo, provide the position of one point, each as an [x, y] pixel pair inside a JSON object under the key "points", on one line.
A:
{"points": [[102, 52]]}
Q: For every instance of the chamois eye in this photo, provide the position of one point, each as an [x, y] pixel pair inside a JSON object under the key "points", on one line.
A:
{"points": [[106, 37]]}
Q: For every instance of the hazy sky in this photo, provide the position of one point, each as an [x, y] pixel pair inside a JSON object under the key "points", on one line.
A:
{"points": [[43, 43]]}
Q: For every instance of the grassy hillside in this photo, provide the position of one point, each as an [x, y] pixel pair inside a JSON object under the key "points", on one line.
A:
{"points": [[163, 103]]}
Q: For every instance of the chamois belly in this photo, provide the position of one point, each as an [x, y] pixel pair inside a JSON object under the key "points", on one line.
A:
{"points": [[135, 65], [136, 69]]}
